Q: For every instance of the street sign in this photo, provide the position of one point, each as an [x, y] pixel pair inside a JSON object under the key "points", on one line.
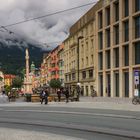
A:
{"points": [[136, 78]]}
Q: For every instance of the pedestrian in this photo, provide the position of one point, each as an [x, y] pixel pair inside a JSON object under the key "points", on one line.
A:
{"points": [[42, 96], [46, 96], [59, 95], [66, 92], [9, 95]]}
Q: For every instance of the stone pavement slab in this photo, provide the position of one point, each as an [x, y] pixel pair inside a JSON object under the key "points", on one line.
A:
{"points": [[16, 134]]}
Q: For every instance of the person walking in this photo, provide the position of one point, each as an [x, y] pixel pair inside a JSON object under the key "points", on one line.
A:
{"points": [[42, 96], [59, 95], [46, 96], [67, 95]]}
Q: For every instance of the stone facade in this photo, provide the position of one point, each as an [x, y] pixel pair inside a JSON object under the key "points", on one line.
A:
{"points": [[109, 46]]}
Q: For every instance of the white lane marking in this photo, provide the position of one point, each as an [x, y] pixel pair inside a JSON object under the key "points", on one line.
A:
{"points": [[76, 113]]}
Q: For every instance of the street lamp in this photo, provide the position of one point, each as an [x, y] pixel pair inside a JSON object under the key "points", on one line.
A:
{"points": [[78, 82], [79, 38]]}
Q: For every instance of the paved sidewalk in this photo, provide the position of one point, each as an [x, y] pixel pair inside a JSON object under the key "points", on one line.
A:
{"points": [[87, 102], [16, 134]]}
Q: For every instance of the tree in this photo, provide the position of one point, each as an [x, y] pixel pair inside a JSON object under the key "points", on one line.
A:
{"points": [[7, 88], [1, 78], [55, 83], [17, 82]]}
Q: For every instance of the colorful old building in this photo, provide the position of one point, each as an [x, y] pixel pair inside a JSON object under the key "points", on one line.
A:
{"points": [[8, 79]]}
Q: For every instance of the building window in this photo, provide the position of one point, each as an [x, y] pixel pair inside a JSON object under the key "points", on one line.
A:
{"points": [[137, 5], [116, 57], [126, 84], [73, 76], [108, 59], [92, 59], [108, 38], [69, 77], [84, 74], [126, 31], [66, 77], [116, 9], [100, 20], [137, 27], [87, 46], [100, 60], [126, 55], [108, 85], [137, 53], [108, 16], [101, 85], [100, 40], [91, 43], [82, 64], [87, 61], [117, 84], [90, 73], [116, 34], [126, 8]]}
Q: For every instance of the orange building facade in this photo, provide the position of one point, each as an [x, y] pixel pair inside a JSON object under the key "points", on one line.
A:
{"points": [[51, 67]]}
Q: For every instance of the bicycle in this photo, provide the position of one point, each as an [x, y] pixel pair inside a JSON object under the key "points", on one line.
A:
{"points": [[136, 100]]}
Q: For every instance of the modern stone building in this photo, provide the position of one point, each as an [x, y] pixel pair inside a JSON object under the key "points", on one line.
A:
{"points": [[118, 42], [105, 43]]}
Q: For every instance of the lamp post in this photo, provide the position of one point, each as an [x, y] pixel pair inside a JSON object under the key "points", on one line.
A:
{"points": [[78, 82]]}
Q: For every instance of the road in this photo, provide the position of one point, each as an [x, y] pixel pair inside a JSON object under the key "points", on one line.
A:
{"points": [[81, 123]]}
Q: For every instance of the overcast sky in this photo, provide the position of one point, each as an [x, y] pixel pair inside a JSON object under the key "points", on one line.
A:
{"points": [[47, 30]]}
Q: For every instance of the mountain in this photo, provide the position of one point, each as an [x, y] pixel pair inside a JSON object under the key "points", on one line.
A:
{"points": [[12, 57]]}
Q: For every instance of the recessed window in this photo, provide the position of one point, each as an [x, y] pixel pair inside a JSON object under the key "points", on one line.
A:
{"points": [[100, 15], [116, 11], [126, 84], [126, 8], [116, 34], [84, 74], [116, 57], [108, 16], [108, 38], [108, 59], [73, 76], [126, 55], [137, 53], [137, 5], [100, 40], [90, 73], [126, 31], [137, 27], [100, 61]]}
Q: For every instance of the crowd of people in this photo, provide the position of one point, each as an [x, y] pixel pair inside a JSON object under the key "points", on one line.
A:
{"points": [[72, 95]]}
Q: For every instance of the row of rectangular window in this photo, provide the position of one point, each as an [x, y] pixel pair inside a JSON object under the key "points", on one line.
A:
{"points": [[116, 84], [116, 33], [116, 12], [116, 56]]}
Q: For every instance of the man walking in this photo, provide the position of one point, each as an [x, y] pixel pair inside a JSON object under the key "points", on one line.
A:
{"points": [[59, 95], [67, 95], [44, 96]]}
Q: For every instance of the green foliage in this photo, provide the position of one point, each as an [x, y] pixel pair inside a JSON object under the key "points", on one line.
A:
{"points": [[1, 78], [55, 83], [12, 58], [7, 88], [17, 82]]}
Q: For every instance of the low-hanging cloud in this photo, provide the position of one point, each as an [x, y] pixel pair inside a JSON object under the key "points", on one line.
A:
{"points": [[47, 30]]}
